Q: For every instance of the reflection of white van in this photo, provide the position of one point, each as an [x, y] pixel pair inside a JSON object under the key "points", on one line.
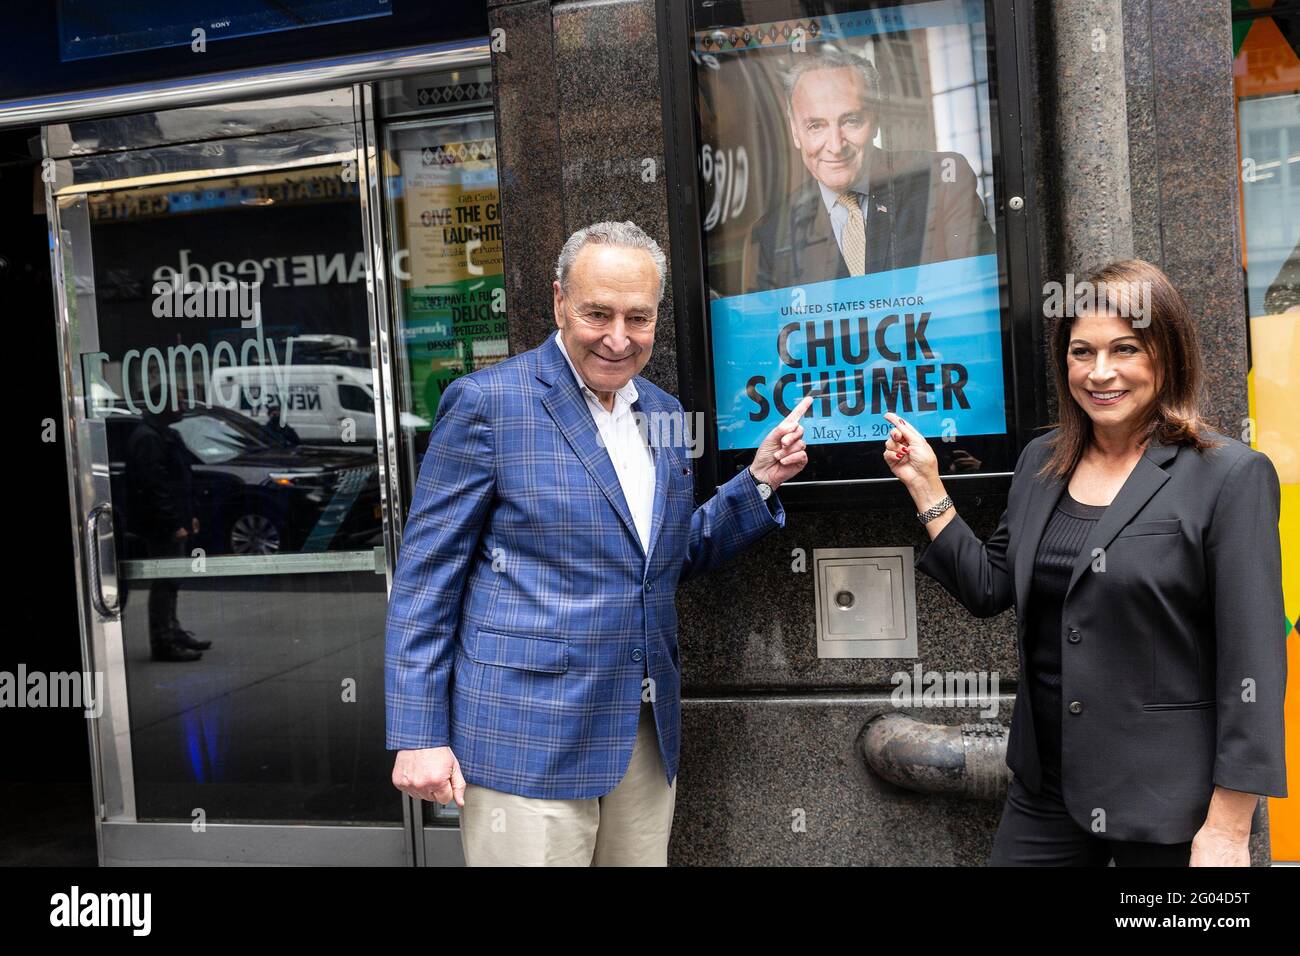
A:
{"points": [[318, 400]]}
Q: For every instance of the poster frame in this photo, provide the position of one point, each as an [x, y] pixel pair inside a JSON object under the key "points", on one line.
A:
{"points": [[1011, 88]]}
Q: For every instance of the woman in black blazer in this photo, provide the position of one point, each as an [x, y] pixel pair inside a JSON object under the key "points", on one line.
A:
{"points": [[1141, 552]]}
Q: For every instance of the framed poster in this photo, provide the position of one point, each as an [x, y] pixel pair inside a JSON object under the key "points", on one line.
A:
{"points": [[847, 205], [451, 300], [444, 230]]}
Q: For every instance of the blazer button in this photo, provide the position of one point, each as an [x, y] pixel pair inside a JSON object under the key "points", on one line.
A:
{"points": [[636, 654], [649, 585], [1076, 707], [1074, 637]]}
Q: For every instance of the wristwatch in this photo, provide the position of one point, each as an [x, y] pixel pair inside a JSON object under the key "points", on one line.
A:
{"points": [[764, 489], [929, 514]]}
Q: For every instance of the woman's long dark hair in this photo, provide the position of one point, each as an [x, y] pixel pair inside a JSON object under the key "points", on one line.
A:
{"points": [[1169, 336]]}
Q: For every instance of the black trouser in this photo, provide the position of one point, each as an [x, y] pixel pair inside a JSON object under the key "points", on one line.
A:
{"points": [[1037, 830], [162, 591]]}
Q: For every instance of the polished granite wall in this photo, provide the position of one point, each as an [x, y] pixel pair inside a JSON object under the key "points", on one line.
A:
{"points": [[769, 729], [1183, 132], [1089, 125], [578, 120]]}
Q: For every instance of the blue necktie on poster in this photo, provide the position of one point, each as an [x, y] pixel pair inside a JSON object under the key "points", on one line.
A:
{"points": [[924, 342]]}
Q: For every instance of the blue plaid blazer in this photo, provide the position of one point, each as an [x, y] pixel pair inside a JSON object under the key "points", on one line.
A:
{"points": [[524, 613]]}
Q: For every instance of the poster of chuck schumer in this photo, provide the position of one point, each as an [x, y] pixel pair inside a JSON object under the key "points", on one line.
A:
{"points": [[846, 160]]}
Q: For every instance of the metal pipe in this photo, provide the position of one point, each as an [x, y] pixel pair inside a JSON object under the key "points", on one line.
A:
{"points": [[964, 759]]}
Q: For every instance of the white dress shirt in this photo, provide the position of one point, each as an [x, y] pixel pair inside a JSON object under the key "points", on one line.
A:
{"points": [[633, 461]]}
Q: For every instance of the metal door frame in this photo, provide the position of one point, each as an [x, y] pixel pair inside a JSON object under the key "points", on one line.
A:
{"points": [[435, 844], [120, 839]]}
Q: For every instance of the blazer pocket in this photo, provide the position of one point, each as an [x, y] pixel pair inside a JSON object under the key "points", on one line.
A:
{"points": [[1164, 526], [546, 655], [1188, 705]]}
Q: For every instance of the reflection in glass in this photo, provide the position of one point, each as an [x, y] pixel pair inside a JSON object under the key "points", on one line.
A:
{"points": [[440, 182], [231, 314], [1267, 79], [265, 726], [234, 386]]}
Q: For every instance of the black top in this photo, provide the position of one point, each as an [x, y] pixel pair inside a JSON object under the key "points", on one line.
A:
{"points": [[160, 486], [1063, 538]]}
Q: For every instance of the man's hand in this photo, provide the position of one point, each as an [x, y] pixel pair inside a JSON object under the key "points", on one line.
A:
{"points": [[432, 774], [783, 453]]}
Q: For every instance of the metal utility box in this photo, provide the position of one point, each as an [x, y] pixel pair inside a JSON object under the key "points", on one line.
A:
{"points": [[866, 602]]}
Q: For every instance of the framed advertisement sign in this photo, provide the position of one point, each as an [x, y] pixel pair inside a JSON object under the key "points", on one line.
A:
{"points": [[443, 221], [850, 218]]}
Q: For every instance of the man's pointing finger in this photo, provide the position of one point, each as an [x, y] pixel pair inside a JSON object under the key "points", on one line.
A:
{"points": [[804, 404]]}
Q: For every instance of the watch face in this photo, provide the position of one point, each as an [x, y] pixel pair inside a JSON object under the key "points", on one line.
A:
{"points": [[764, 490]]}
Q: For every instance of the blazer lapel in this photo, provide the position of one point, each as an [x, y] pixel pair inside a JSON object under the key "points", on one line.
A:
{"points": [[882, 213], [1143, 481], [663, 463], [813, 239], [566, 404], [1043, 495]]}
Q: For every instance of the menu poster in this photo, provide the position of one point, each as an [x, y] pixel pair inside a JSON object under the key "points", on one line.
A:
{"points": [[455, 293]]}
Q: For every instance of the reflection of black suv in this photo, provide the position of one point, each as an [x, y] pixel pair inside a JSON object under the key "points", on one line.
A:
{"points": [[257, 491]]}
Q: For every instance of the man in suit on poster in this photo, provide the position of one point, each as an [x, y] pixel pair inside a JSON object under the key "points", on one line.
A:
{"points": [[865, 209]]}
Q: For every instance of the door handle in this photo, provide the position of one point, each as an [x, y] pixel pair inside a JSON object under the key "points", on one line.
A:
{"points": [[93, 544]]}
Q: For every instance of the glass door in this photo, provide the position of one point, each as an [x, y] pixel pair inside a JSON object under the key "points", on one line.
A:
{"points": [[216, 330], [442, 227]]}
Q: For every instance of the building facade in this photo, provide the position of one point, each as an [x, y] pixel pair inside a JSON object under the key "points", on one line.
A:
{"points": [[393, 210]]}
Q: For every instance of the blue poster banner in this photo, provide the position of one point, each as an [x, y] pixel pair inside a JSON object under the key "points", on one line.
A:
{"points": [[924, 342]]}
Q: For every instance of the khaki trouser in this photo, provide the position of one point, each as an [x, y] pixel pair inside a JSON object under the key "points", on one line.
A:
{"points": [[629, 826]]}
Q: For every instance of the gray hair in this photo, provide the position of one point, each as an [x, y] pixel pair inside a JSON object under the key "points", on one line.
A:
{"points": [[829, 57], [628, 235]]}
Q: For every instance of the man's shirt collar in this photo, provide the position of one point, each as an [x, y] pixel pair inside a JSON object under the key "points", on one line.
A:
{"points": [[861, 186], [627, 393]]}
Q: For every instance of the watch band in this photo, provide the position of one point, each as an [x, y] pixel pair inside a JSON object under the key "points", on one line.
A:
{"points": [[929, 514]]}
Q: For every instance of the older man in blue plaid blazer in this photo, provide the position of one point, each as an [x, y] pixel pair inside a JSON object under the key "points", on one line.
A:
{"points": [[532, 669]]}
